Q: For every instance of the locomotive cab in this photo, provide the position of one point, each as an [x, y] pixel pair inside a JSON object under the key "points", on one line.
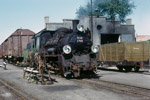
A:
{"points": [[40, 40]]}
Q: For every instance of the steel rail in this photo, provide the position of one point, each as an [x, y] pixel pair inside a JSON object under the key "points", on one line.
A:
{"points": [[124, 85], [113, 86], [20, 94], [129, 89], [116, 70]]}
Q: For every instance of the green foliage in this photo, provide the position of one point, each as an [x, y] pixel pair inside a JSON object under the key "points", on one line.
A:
{"points": [[112, 9], [83, 11]]}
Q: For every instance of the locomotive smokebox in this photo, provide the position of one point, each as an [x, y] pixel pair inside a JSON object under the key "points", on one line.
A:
{"points": [[75, 23]]}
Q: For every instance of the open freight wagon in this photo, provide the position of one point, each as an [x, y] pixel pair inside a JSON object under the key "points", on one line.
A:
{"points": [[125, 55]]}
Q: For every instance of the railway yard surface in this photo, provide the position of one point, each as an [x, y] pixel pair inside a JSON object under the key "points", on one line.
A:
{"points": [[110, 85]]}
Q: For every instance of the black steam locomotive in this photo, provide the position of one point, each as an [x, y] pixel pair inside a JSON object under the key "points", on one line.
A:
{"points": [[69, 52]]}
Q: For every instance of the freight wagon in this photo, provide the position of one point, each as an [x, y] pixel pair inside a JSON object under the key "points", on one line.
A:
{"points": [[1, 51], [14, 45], [125, 55], [4, 49]]}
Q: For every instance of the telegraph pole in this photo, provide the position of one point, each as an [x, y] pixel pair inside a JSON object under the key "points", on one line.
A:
{"points": [[91, 19]]}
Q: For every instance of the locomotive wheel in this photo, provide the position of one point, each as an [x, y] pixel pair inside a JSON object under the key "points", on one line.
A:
{"points": [[136, 68], [120, 68], [128, 69], [68, 75]]}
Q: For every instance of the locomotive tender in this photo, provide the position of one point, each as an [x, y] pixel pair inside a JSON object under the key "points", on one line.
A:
{"points": [[69, 52]]}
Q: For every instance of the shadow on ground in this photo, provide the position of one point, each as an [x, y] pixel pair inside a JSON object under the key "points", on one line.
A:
{"points": [[116, 70]]}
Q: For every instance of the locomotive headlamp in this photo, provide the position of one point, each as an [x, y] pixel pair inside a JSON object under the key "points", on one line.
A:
{"points": [[80, 28], [95, 49], [66, 49]]}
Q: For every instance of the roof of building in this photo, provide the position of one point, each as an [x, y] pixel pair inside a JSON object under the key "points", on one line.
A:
{"points": [[142, 37]]}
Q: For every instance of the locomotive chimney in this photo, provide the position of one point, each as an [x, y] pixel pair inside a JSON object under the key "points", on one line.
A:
{"points": [[75, 23], [46, 18]]}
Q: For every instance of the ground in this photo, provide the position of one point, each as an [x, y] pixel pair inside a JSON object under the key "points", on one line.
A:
{"points": [[65, 89]]}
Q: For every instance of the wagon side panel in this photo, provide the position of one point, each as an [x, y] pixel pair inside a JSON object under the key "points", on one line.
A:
{"points": [[16, 46], [137, 51]]}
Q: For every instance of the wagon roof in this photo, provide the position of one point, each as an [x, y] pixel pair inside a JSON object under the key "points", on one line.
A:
{"points": [[23, 32]]}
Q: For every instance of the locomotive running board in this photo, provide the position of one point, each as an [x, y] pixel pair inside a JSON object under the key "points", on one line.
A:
{"points": [[51, 55]]}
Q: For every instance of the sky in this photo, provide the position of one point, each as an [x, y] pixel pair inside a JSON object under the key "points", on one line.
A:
{"points": [[29, 14], [141, 17]]}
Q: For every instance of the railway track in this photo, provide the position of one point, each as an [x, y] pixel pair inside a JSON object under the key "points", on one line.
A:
{"points": [[116, 70], [118, 87], [140, 92], [18, 95]]}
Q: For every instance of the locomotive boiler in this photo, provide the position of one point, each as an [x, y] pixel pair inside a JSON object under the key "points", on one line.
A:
{"points": [[69, 52]]}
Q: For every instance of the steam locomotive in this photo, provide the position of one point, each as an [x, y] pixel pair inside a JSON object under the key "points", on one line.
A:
{"points": [[69, 52]]}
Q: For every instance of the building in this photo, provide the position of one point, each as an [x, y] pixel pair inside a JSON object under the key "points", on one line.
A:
{"points": [[142, 38], [104, 31]]}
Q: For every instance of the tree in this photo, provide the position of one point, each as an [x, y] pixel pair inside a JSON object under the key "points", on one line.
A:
{"points": [[112, 9], [83, 11]]}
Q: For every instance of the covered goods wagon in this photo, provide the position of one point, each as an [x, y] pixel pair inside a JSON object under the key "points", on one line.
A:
{"points": [[16, 43], [4, 47], [125, 55], [1, 51]]}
